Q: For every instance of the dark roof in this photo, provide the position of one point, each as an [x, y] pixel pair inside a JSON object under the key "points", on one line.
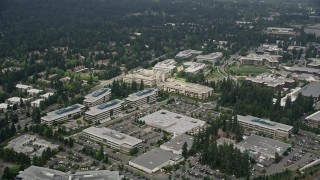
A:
{"points": [[312, 89]]}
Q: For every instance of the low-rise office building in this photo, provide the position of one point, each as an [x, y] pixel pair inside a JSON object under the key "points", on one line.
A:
{"points": [[314, 63], [153, 160], [23, 87], [16, 100], [269, 128], [166, 66], [172, 122], [188, 89], [46, 95], [298, 69], [34, 92], [213, 57], [269, 49], [313, 119], [149, 77], [262, 146], [278, 31], [63, 114], [97, 97], [175, 145], [112, 138], [42, 173], [271, 81], [147, 96], [187, 54], [259, 60], [36, 103], [194, 67], [313, 29], [311, 90], [104, 111]]}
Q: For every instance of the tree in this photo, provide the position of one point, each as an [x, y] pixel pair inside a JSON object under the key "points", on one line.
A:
{"points": [[141, 85], [277, 158], [36, 116], [185, 150]]}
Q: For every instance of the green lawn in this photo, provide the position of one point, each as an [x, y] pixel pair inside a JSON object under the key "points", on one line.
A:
{"points": [[213, 75], [247, 70]]}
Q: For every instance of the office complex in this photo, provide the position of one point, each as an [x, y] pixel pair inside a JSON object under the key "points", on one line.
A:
{"points": [[213, 57], [278, 31], [172, 122], [147, 96], [188, 89], [62, 114], [112, 138], [311, 90], [259, 60], [153, 160], [166, 66], [313, 119], [97, 97], [313, 29], [149, 77], [269, 128], [104, 111], [42, 173], [271, 81], [187, 54], [262, 146]]}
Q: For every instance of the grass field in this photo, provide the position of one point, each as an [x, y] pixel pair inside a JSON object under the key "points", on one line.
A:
{"points": [[247, 70], [214, 75]]}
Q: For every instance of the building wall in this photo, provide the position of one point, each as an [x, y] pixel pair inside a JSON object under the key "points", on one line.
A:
{"points": [[188, 93], [142, 101], [99, 101], [103, 115]]}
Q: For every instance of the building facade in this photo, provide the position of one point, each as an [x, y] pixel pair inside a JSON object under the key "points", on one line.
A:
{"points": [[97, 97], [63, 114], [188, 89], [147, 96], [104, 111], [149, 77]]}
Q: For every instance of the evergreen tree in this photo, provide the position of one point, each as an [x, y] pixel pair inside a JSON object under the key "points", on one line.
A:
{"points": [[185, 150]]}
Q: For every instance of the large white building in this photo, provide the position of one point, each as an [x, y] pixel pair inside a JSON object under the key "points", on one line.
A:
{"points": [[147, 96], [15, 100], [175, 145], [213, 57], [166, 66], [188, 89], [36, 103], [153, 160], [23, 87], [104, 111], [112, 138], [34, 92], [62, 114], [259, 60], [269, 128], [97, 97], [173, 122], [279, 31], [187, 53], [149, 77]]}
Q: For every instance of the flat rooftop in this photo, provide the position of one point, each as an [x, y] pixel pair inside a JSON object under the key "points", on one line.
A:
{"points": [[177, 142], [41, 173], [166, 64], [315, 116], [312, 89], [36, 91], [264, 123], [141, 94], [105, 107], [94, 96], [191, 87], [53, 115], [193, 67], [302, 69], [270, 80], [22, 86], [172, 122], [112, 135], [209, 57], [187, 53], [263, 145], [155, 158], [47, 95]]}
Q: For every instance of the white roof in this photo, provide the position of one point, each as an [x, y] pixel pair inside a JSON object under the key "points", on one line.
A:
{"points": [[36, 91], [264, 123], [168, 64], [37, 101], [193, 67], [172, 122], [210, 57], [141, 94], [315, 116], [3, 106], [191, 87], [113, 136], [16, 99], [47, 95], [22, 86]]}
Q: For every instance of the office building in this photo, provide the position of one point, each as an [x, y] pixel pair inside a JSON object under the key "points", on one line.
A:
{"points": [[153, 160], [36, 103], [147, 96], [193, 67], [187, 54], [42, 173], [15, 100], [271, 81], [297, 49], [262, 146], [173, 122], [175, 145], [104, 111], [112, 138], [149, 77], [278, 31], [34, 92], [314, 63], [313, 29], [213, 57], [23, 87], [166, 66], [311, 90], [63, 114], [269, 128], [97, 97], [298, 69], [46, 95], [259, 60], [313, 119], [188, 89], [269, 49]]}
